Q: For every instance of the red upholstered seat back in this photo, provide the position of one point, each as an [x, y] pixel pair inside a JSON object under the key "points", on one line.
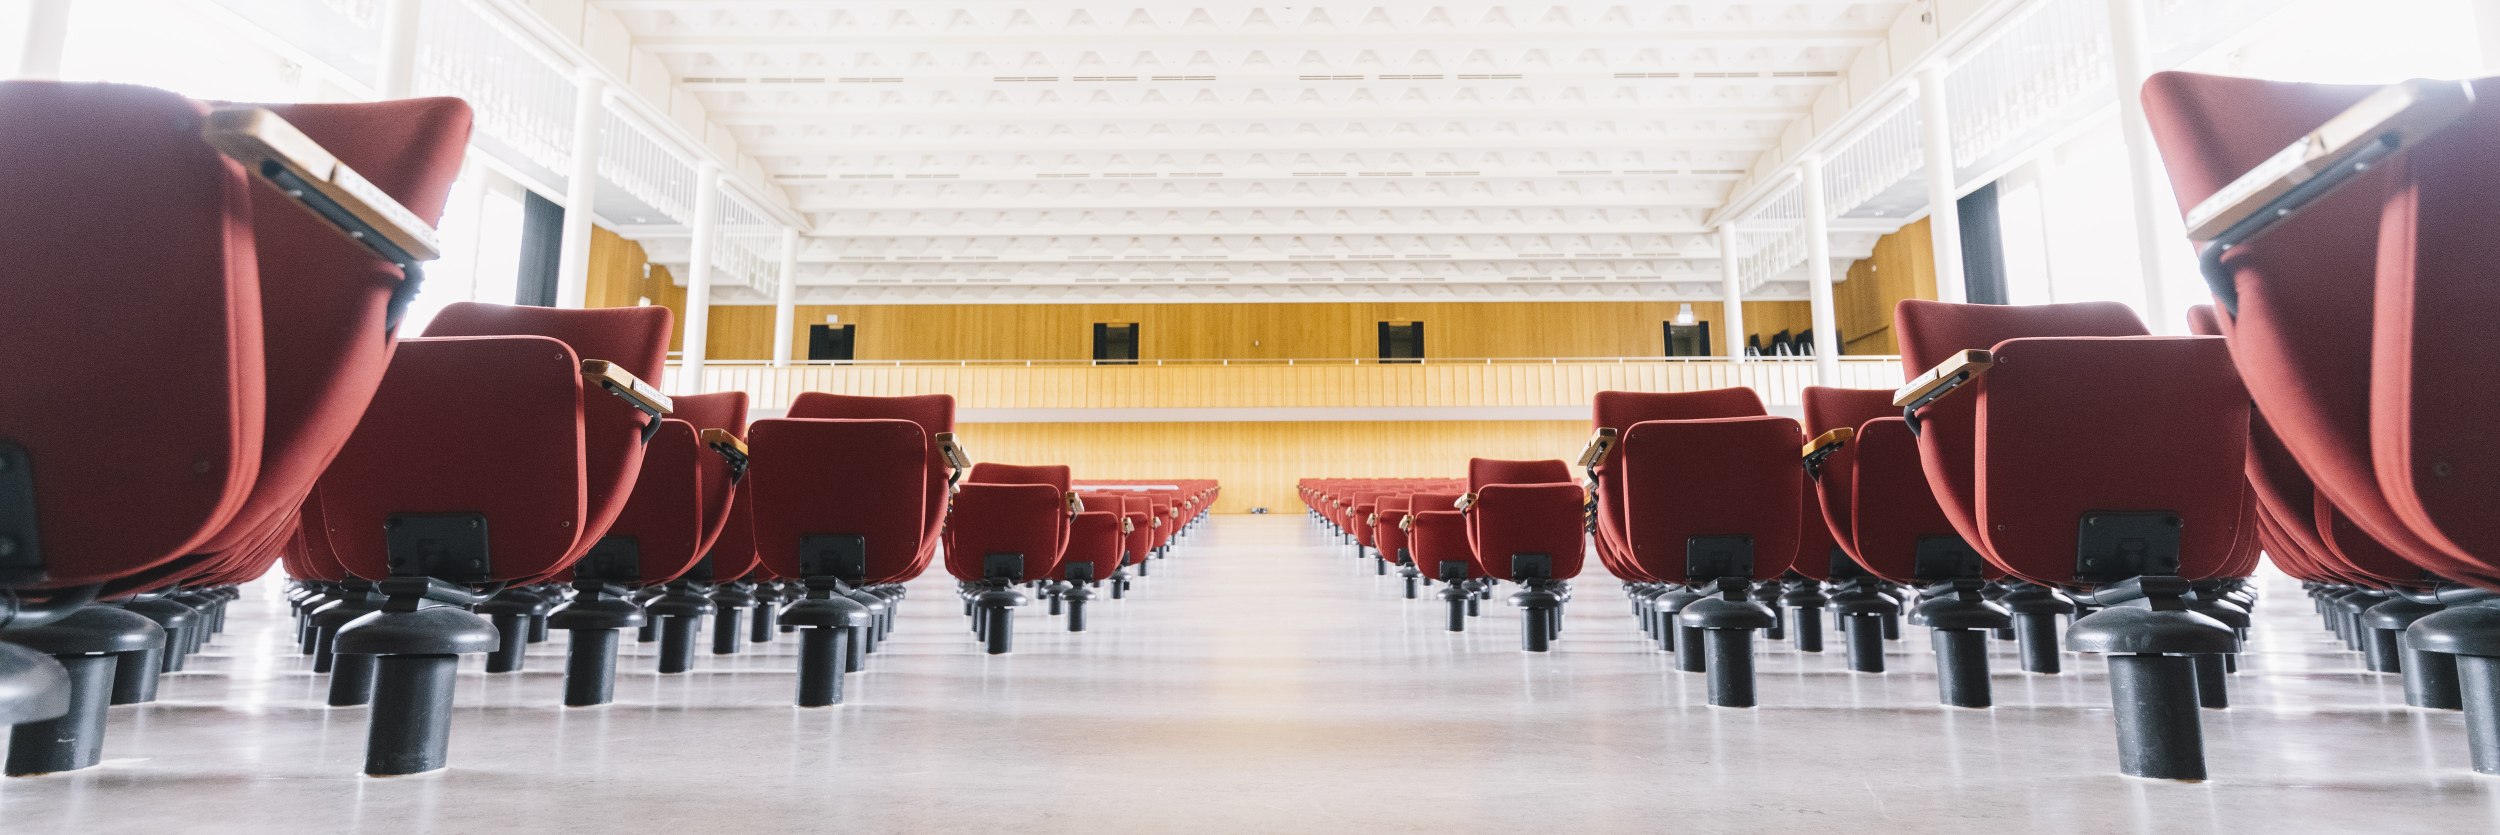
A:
{"points": [[1386, 535], [1509, 520], [733, 553], [665, 513], [1484, 471], [1440, 546], [1724, 477], [486, 425], [141, 413], [936, 415], [2075, 415], [1139, 510], [1094, 544], [725, 411], [1055, 475], [1030, 520], [1827, 409], [2431, 437], [634, 338], [2307, 331], [1891, 508], [1619, 410], [882, 466]]}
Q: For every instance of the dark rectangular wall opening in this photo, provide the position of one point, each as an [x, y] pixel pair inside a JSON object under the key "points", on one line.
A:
{"points": [[1688, 340], [1115, 343], [831, 343], [1401, 341], [542, 248], [1983, 246]]}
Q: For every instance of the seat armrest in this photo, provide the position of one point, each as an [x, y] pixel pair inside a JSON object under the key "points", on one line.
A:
{"points": [[274, 150], [1823, 446], [956, 460], [2393, 118], [1955, 372], [730, 448], [643, 396]]}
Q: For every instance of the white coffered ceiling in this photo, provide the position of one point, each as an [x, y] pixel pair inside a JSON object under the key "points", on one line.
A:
{"points": [[981, 150]]}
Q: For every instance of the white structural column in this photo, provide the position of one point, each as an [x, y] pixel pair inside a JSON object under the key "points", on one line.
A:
{"points": [[786, 299], [47, 35], [399, 49], [1944, 193], [2131, 56], [698, 324], [581, 190], [1819, 270], [1732, 292]]}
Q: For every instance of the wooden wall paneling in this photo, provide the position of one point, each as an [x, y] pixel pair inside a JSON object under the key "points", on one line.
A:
{"points": [[1903, 267]]}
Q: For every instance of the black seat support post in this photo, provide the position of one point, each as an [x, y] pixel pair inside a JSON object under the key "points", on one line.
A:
{"points": [[2150, 634], [88, 643], [593, 618]]}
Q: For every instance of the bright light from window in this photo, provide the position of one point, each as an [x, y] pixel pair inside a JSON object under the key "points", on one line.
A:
{"points": [[173, 45]]}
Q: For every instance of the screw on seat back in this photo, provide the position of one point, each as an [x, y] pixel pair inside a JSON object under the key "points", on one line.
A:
{"points": [[2305, 332], [864, 526], [2086, 435]]}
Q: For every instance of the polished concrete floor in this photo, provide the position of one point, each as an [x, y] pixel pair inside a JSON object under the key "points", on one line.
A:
{"points": [[1264, 681]]}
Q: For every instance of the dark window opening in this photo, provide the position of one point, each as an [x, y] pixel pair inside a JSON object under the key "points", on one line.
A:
{"points": [[542, 247], [1401, 342], [1688, 340], [1115, 343], [832, 343]]}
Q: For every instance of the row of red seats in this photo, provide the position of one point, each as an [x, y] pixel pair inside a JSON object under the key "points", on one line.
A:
{"points": [[1999, 497], [1509, 521], [516, 463], [2345, 241]]}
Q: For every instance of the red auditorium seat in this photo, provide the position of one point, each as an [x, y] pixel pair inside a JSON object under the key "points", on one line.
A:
{"points": [[1097, 545], [2042, 464], [511, 391], [2355, 378], [258, 342], [1691, 508], [1009, 525], [1525, 526], [1866, 474], [679, 504], [1688, 493], [1138, 511], [842, 538], [1389, 537]]}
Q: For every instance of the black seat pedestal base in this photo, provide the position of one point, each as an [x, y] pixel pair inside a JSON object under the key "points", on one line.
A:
{"points": [[593, 619], [417, 639], [2430, 677], [828, 621], [87, 644], [1960, 619], [1726, 622], [2470, 632], [2146, 628]]}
